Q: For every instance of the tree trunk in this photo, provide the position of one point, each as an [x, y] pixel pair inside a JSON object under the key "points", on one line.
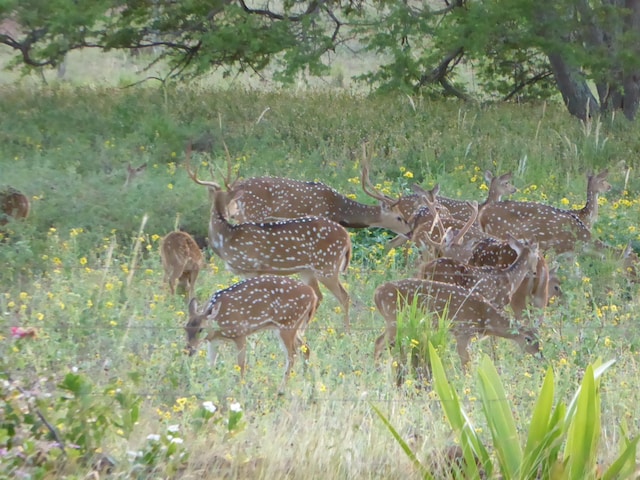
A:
{"points": [[631, 75], [574, 89]]}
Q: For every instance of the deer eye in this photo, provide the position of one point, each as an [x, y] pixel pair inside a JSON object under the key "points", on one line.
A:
{"points": [[201, 330]]}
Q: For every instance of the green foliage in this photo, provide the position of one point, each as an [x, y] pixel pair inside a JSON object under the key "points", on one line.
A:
{"points": [[576, 426], [416, 330]]}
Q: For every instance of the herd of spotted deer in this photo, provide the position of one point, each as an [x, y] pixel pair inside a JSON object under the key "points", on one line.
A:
{"points": [[476, 258]]}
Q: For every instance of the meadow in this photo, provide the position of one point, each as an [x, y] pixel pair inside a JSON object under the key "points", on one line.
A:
{"points": [[106, 373]]}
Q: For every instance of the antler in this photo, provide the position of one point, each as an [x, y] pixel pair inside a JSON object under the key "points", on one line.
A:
{"points": [[474, 215], [367, 186], [193, 174]]}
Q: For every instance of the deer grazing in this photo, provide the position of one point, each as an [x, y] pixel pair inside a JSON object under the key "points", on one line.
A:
{"points": [[498, 187], [553, 228], [317, 248], [270, 198], [470, 313], [497, 285], [260, 303], [13, 204], [182, 260]]}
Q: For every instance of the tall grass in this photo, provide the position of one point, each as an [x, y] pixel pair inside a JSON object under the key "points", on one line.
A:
{"points": [[68, 272]]}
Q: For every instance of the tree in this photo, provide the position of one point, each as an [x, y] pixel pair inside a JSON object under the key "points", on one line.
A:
{"points": [[517, 50]]}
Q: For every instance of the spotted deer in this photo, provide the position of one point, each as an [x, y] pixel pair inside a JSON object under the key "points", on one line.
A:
{"points": [[498, 187], [182, 260], [271, 198], [470, 314], [496, 284], [266, 302], [13, 204], [537, 288], [552, 227], [316, 248]]}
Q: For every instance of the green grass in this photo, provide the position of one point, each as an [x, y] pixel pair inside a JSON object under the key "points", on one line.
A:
{"points": [[70, 270]]}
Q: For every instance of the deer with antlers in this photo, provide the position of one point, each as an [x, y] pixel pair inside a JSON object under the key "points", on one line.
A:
{"points": [[317, 248], [552, 227], [260, 303], [182, 260], [13, 204], [470, 313], [271, 198], [498, 187]]}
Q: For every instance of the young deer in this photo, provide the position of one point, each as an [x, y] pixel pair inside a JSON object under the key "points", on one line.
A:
{"points": [[470, 313], [133, 172], [260, 303], [496, 284], [13, 204], [317, 248], [539, 286], [182, 260], [553, 228], [270, 199]]}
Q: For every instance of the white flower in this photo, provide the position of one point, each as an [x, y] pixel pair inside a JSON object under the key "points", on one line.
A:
{"points": [[177, 440], [235, 407], [133, 454], [209, 407], [153, 437], [173, 428]]}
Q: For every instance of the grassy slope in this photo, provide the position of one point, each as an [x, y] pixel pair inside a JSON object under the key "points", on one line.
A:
{"points": [[95, 306]]}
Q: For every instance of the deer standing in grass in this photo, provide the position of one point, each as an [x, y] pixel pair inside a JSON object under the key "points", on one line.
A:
{"points": [[316, 248], [271, 198], [260, 303], [495, 284], [498, 187], [470, 313], [553, 228], [182, 260], [13, 204]]}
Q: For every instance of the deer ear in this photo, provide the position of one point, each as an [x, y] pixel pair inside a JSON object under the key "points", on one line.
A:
{"points": [[488, 176], [215, 308], [193, 307]]}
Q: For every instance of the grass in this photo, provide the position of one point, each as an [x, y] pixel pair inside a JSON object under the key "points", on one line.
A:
{"points": [[100, 309]]}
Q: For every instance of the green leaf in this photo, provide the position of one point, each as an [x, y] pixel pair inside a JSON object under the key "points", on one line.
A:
{"points": [[584, 430], [458, 419], [625, 465], [405, 447], [499, 419]]}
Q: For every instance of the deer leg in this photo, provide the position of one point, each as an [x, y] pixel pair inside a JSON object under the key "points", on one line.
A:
{"points": [[241, 344], [310, 280], [288, 338], [335, 287], [462, 347], [212, 352]]}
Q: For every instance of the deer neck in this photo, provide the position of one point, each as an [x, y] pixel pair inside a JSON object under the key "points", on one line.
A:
{"points": [[220, 230], [518, 270], [589, 212], [357, 215]]}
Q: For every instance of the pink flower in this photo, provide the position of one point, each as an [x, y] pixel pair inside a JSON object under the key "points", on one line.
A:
{"points": [[19, 332]]}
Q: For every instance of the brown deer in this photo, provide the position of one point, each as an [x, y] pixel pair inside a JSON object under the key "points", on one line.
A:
{"points": [[182, 260], [260, 303], [497, 285], [553, 228], [317, 248], [14, 204], [537, 287], [271, 198], [133, 173], [470, 313], [498, 187]]}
